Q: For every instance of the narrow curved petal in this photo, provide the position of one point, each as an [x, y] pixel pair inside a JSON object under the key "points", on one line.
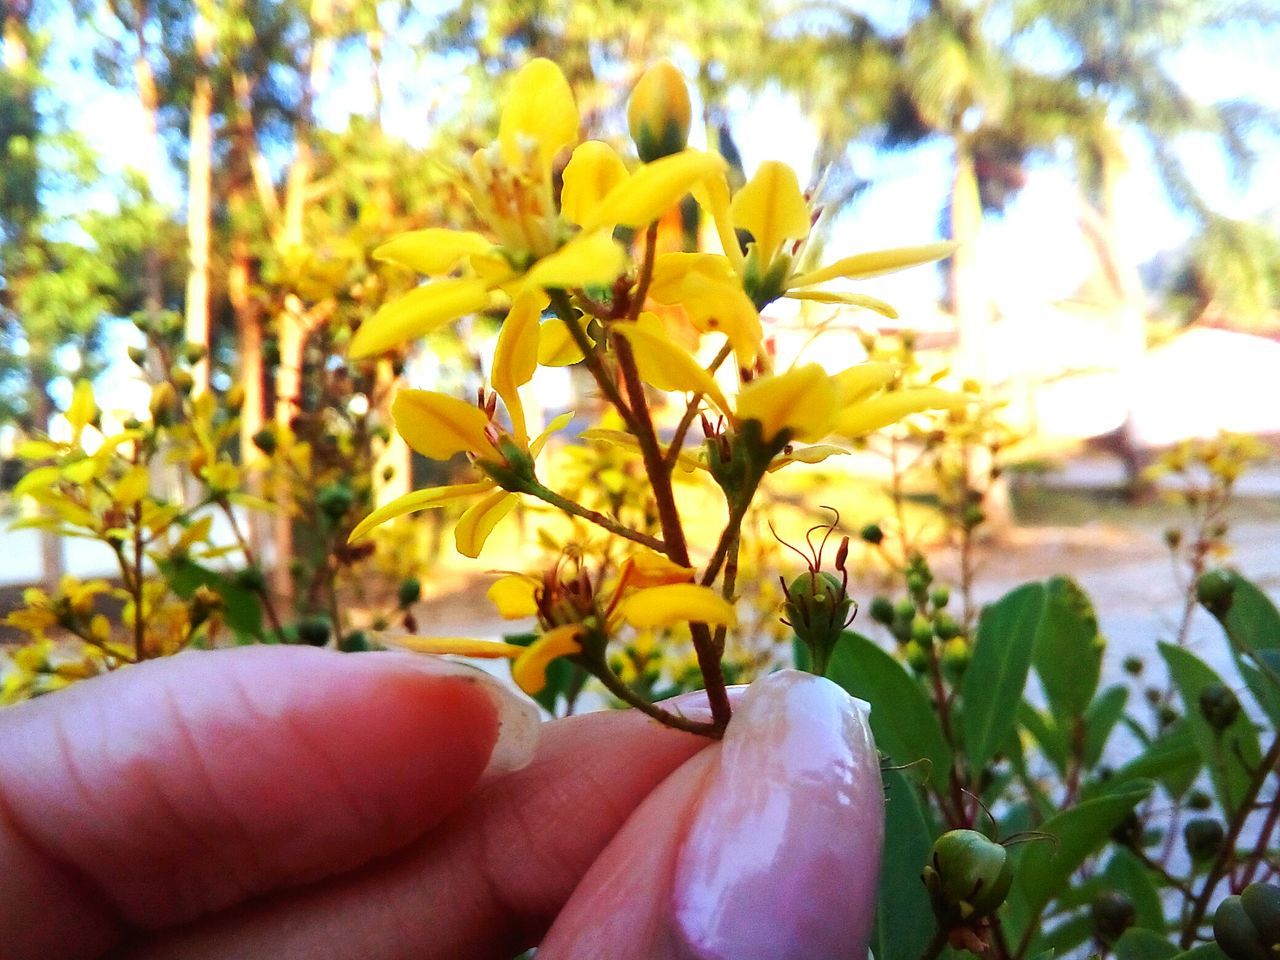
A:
{"points": [[434, 251], [646, 568], [593, 171], [437, 425], [771, 207], [667, 366], [458, 646], [712, 195], [515, 358], [870, 415], [588, 260], [848, 299], [653, 189], [419, 500], [539, 109], [802, 400], [555, 426], [857, 383], [814, 454], [418, 312], [862, 265], [673, 603], [556, 346], [514, 595], [627, 441], [529, 670], [481, 517]]}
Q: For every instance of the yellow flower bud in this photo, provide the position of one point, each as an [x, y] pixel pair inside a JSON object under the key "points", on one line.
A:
{"points": [[165, 405], [658, 113]]}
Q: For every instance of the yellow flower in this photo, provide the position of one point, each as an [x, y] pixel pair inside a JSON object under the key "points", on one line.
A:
{"points": [[659, 112], [774, 211], [649, 592], [439, 426], [530, 244]]}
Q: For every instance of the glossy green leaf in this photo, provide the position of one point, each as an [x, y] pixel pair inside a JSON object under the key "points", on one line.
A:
{"points": [[1068, 650], [1252, 622], [1064, 937], [1043, 868], [1126, 873], [1206, 951], [1138, 943], [1100, 719], [1173, 759], [904, 920], [241, 608], [1230, 754], [902, 718], [997, 671], [1043, 727]]}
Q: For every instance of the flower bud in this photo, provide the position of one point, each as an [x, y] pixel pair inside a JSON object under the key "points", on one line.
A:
{"points": [[164, 404], [1214, 590], [314, 631], [183, 381], [265, 440], [818, 608], [882, 610], [1133, 665], [1219, 706], [968, 877], [251, 579], [659, 112], [940, 597], [1199, 800], [872, 534], [945, 626], [355, 642], [138, 355], [1113, 913], [195, 352], [1203, 837], [334, 500], [235, 398], [409, 592]]}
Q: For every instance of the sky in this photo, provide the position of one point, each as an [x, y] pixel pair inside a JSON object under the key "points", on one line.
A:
{"points": [[1032, 254]]}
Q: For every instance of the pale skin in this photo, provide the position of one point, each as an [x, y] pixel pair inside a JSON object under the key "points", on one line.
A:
{"points": [[289, 802]]}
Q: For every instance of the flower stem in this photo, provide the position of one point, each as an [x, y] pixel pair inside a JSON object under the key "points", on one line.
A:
{"points": [[547, 495], [614, 685]]}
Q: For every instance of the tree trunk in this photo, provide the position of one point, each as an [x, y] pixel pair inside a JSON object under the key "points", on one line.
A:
{"points": [[249, 337], [152, 157], [199, 202]]}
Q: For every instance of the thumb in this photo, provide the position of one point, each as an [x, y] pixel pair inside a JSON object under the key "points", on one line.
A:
{"points": [[765, 847]]}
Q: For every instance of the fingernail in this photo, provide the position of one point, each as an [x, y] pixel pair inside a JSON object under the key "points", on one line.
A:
{"points": [[519, 724], [782, 857]]}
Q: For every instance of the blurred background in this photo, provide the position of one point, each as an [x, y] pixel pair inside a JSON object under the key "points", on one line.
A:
{"points": [[1111, 167]]}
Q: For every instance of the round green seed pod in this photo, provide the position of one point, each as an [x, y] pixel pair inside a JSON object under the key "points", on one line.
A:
{"points": [[409, 592], [1113, 913], [968, 877]]}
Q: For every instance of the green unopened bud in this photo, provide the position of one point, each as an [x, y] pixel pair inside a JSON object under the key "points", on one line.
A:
{"points": [[1133, 665], [355, 642], [138, 355], [1203, 837], [1219, 706], [409, 592], [1214, 590], [314, 631], [872, 534], [195, 352], [1113, 913], [968, 877], [882, 610], [659, 112], [164, 404], [251, 579], [1128, 832], [905, 610], [334, 500], [916, 657], [1199, 800], [955, 655], [922, 630], [940, 597], [183, 381], [818, 608], [945, 626], [265, 440]]}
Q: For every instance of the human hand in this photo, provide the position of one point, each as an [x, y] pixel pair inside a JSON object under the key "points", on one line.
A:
{"points": [[288, 802]]}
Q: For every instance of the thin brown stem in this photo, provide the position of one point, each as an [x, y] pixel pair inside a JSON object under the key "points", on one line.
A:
{"points": [[547, 495], [268, 604], [691, 411], [646, 272], [591, 355], [614, 685]]}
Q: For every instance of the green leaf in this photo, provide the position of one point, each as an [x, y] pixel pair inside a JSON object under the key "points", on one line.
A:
{"points": [[1044, 728], [560, 674], [1174, 760], [1100, 719], [1206, 951], [1126, 873], [904, 920], [1044, 869], [1252, 622], [1068, 648], [1137, 943], [1065, 937], [903, 720], [241, 608], [1229, 754], [997, 671]]}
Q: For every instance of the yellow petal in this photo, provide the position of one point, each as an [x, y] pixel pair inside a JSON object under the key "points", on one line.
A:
{"points": [[593, 170], [438, 425], [875, 263], [515, 596], [858, 383], [814, 454], [802, 400], [529, 670], [459, 646], [674, 603], [869, 415], [83, 407], [653, 190], [556, 346], [515, 358], [539, 110], [588, 260], [628, 441], [418, 312], [772, 208], [419, 500], [712, 195], [717, 306], [475, 525], [670, 271], [667, 366], [849, 299], [645, 568], [434, 251], [555, 426], [132, 486]]}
